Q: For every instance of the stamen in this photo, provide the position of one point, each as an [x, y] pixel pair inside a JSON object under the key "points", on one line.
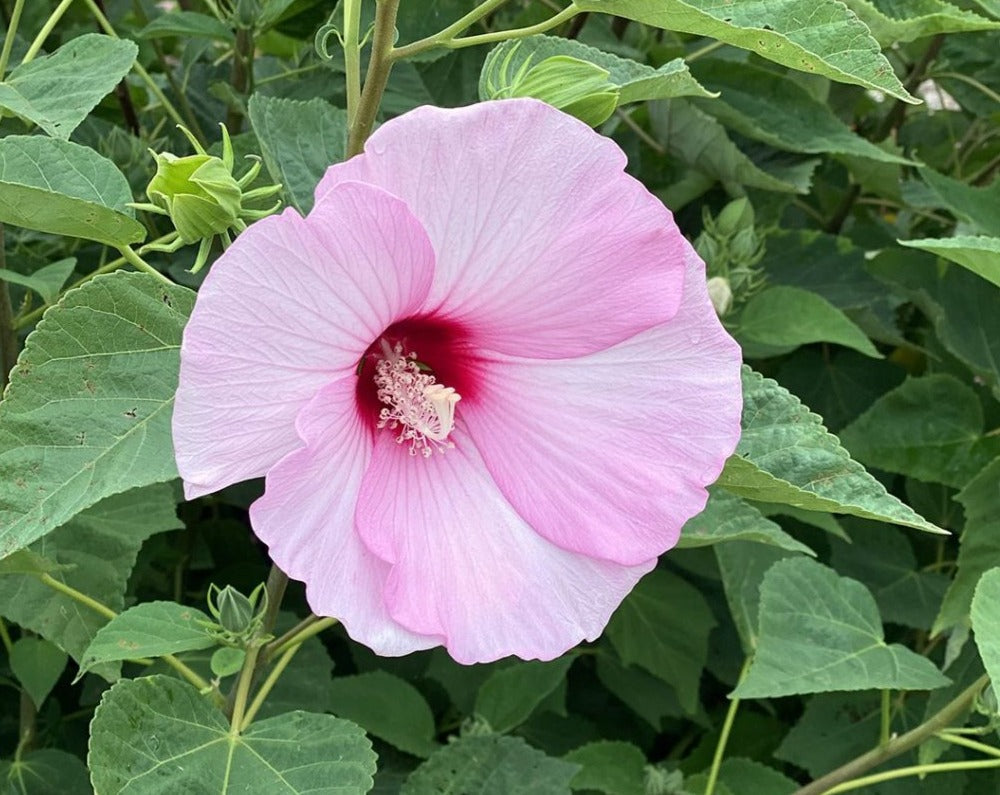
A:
{"points": [[420, 408]]}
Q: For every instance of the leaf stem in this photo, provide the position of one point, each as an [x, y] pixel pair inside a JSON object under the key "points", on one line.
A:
{"points": [[304, 630], [265, 688], [885, 723], [8, 41], [898, 745], [914, 770], [277, 581], [379, 66], [956, 739], [141, 265], [516, 33], [481, 11], [9, 346], [243, 689], [8, 644], [352, 56], [727, 727], [47, 28]]}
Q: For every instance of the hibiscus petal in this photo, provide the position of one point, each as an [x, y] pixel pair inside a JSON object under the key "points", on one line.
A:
{"points": [[466, 567], [609, 454], [291, 305], [536, 226], [306, 517]]}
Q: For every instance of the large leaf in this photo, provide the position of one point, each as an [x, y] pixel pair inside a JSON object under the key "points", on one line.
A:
{"points": [[785, 455], [94, 553], [386, 707], [614, 768], [728, 518], [929, 428], [37, 664], [979, 206], [892, 22], [159, 735], [820, 632], [775, 109], [510, 695], [663, 626], [742, 566], [57, 91], [986, 621], [493, 765], [63, 188], [783, 318], [87, 411], [187, 25], [817, 36], [150, 629], [979, 254], [45, 772], [299, 141]]}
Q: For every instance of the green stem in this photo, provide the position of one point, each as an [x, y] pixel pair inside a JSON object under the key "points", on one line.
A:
{"points": [[516, 33], [141, 265], [379, 66], [241, 76], [8, 41], [9, 347], [727, 727], [265, 688], [706, 50], [475, 15], [277, 581], [305, 630], [47, 28], [105, 611], [956, 739], [898, 745], [352, 56], [915, 770], [243, 690], [886, 719], [8, 644]]}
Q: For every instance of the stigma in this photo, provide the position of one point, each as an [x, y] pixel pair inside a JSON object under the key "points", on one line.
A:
{"points": [[419, 408]]}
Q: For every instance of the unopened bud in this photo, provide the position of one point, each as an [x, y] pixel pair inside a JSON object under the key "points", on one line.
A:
{"points": [[198, 192], [720, 294], [735, 217], [235, 612]]}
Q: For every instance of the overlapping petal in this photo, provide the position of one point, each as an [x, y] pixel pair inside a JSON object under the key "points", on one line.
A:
{"points": [[306, 517], [466, 567], [608, 455], [529, 269], [291, 306]]}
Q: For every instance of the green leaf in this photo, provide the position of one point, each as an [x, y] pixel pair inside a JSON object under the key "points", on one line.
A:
{"points": [[227, 661], [820, 632], [299, 141], [63, 188], [37, 664], [45, 772], [663, 626], [614, 768], [46, 281], [157, 732], [305, 684], [696, 139], [981, 255], [785, 455], [783, 318], [773, 108], [94, 553], [24, 561], [490, 766], [742, 566], [817, 36], [150, 629], [509, 697], [986, 621], [87, 411], [833, 729], [636, 82], [892, 22], [728, 518], [647, 696], [979, 206], [929, 428], [746, 776], [386, 707], [980, 546], [57, 91], [187, 25]]}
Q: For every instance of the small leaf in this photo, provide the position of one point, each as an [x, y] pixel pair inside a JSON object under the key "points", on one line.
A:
{"points": [[929, 428], [58, 90], [187, 25], [614, 768], [299, 142], [981, 255], [150, 629], [509, 697], [157, 729], [728, 518], [87, 411], [227, 661], [783, 318], [817, 36], [46, 281], [63, 188], [785, 455], [663, 626], [386, 707], [820, 632], [490, 766], [37, 664]]}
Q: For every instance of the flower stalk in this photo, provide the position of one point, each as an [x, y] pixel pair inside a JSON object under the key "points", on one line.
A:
{"points": [[379, 67]]}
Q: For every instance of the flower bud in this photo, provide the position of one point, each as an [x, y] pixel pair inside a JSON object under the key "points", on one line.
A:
{"points": [[720, 294], [198, 192], [735, 217], [234, 611]]}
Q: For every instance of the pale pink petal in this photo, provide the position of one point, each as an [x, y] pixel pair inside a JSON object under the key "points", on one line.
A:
{"points": [[536, 227], [290, 306], [468, 568], [609, 454], [306, 517]]}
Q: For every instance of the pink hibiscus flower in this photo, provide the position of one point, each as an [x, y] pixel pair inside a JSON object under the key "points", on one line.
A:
{"points": [[483, 379]]}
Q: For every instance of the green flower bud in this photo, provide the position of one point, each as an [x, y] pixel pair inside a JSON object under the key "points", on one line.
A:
{"points": [[735, 217], [720, 294], [235, 612], [198, 192]]}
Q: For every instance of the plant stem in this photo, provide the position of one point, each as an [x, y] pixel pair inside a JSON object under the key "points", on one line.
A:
{"points": [[306, 628], [26, 724], [352, 57], [897, 745], [243, 689], [8, 41], [241, 76], [141, 265], [956, 739], [379, 66], [727, 727], [9, 347], [268, 683], [277, 581], [8, 644], [915, 770], [886, 719], [481, 11], [47, 28], [516, 33]]}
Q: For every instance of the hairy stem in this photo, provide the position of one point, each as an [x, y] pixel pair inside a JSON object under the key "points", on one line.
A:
{"points": [[379, 66]]}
